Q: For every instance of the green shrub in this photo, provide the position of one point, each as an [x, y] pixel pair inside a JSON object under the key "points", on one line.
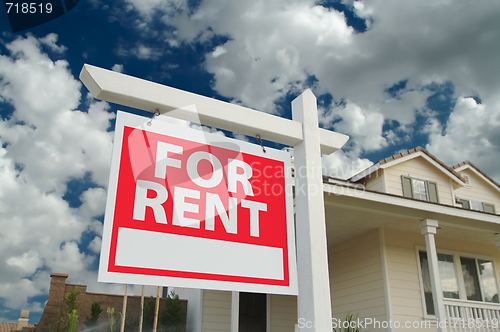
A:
{"points": [[113, 322], [72, 321], [348, 327], [148, 314], [172, 316], [95, 310], [70, 309]]}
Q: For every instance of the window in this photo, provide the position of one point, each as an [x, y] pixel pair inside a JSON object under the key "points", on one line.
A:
{"points": [[419, 189], [477, 277], [476, 205]]}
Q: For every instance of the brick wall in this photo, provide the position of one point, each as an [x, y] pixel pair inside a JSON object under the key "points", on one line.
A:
{"points": [[57, 300]]}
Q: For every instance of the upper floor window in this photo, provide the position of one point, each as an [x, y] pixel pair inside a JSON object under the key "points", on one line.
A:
{"points": [[476, 205], [462, 277], [420, 189]]}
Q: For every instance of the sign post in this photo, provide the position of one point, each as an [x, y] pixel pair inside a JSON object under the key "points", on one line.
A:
{"points": [[302, 133], [312, 260]]}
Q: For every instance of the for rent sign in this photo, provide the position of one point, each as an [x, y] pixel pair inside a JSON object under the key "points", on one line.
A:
{"points": [[191, 209]]}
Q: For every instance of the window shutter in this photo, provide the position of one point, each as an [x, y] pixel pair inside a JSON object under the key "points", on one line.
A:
{"points": [[407, 189], [490, 208], [433, 192], [465, 204]]}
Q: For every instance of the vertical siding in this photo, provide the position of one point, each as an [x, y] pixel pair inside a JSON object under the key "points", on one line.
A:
{"points": [[356, 278], [421, 169], [283, 313], [216, 313], [479, 190]]}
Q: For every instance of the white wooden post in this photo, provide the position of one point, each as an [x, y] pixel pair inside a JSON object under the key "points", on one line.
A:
{"points": [[157, 308], [124, 310], [428, 228], [314, 303], [141, 319], [235, 311]]}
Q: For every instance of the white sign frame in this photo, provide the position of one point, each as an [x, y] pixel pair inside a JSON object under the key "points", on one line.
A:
{"points": [[160, 126]]}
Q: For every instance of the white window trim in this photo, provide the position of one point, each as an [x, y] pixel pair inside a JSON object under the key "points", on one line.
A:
{"points": [[465, 198], [458, 273], [426, 181]]}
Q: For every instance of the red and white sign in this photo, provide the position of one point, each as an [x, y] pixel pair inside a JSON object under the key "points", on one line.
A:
{"points": [[187, 208]]}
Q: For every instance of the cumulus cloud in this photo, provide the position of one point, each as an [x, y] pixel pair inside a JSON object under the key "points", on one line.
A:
{"points": [[341, 165], [274, 48], [472, 132], [363, 127], [50, 40], [45, 143], [95, 244], [117, 67]]}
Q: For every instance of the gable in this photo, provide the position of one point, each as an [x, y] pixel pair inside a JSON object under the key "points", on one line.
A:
{"points": [[479, 189], [418, 168]]}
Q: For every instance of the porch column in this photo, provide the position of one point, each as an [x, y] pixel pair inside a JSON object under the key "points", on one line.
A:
{"points": [[428, 228]]}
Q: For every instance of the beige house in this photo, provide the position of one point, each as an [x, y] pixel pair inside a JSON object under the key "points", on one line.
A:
{"points": [[409, 239]]}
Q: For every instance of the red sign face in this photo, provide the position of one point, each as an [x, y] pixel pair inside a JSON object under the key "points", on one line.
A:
{"points": [[191, 209]]}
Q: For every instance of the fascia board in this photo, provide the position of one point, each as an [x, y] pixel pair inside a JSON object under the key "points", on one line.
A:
{"points": [[410, 203], [366, 172]]}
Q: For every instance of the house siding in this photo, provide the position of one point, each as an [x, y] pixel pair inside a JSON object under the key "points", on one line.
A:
{"points": [[404, 278], [216, 313], [479, 190], [283, 315], [375, 181], [356, 280], [418, 168]]}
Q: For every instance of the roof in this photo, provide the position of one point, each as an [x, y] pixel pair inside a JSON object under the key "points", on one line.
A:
{"points": [[468, 164], [7, 327], [394, 158]]}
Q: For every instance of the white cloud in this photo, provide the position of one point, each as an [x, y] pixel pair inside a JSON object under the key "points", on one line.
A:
{"points": [[44, 144], [50, 40], [143, 52], [274, 46], [148, 7], [117, 67], [241, 137], [343, 165], [95, 245], [472, 132], [363, 127]]}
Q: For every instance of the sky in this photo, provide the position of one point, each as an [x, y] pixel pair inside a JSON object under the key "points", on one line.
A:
{"points": [[391, 74]]}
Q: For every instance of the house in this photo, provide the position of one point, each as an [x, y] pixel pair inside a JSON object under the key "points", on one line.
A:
{"points": [[21, 325], [409, 239]]}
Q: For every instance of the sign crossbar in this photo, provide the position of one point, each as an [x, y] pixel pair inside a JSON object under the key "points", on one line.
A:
{"points": [[149, 96]]}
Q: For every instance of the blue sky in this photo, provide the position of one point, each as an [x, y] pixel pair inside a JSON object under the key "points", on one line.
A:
{"points": [[390, 74]]}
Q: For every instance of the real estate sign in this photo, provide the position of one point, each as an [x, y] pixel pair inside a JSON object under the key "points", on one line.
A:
{"points": [[188, 208]]}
